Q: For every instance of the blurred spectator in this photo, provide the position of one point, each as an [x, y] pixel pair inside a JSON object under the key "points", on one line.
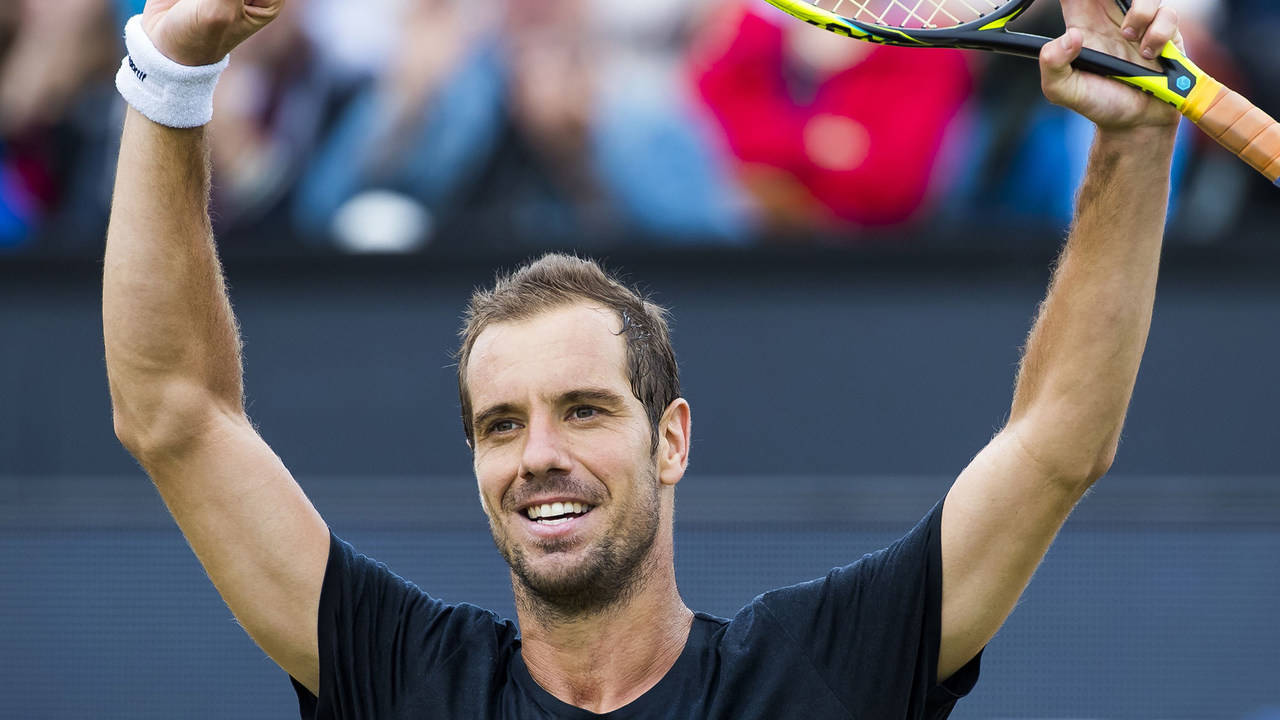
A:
{"points": [[385, 124], [829, 132], [1026, 157], [58, 49], [550, 95], [1254, 26], [414, 138], [602, 133], [269, 114], [521, 122], [661, 151], [56, 58], [355, 39]]}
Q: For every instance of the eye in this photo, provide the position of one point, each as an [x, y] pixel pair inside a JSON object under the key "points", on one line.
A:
{"points": [[500, 426], [584, 412]]}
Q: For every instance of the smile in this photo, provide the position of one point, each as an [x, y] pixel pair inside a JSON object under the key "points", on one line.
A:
{"points": [[556, 513]]}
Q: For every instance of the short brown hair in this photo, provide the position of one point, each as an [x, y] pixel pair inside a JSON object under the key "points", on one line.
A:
{"points": [[555, 280]]}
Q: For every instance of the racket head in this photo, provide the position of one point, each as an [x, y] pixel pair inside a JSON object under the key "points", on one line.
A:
{"points": [[910, 23]]}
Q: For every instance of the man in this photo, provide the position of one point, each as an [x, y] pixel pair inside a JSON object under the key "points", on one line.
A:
{"points": [[571, 404]]}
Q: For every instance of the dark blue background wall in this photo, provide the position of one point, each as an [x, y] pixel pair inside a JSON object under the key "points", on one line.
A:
{"points": [[834, 398]]}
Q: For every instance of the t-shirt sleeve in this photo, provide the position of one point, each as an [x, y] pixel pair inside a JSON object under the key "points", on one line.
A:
{"points": [[383, 641], [873, 628]]}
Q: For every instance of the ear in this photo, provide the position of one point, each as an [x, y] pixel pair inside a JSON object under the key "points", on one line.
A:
{"points": [[673, 442]]}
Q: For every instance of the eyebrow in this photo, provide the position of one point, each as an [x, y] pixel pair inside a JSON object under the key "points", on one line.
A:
{"points": [[482, 418], [600, 396], [577, 396]]}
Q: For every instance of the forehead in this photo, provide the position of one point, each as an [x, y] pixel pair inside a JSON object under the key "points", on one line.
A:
{"points": [[552, 352]]}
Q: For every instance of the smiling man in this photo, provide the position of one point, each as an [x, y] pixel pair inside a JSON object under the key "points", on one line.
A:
{"points": [[564, 449], [571, 403]]}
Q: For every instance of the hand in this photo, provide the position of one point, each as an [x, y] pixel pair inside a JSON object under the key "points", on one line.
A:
{"points": [[202, 32], [1137, 36]]}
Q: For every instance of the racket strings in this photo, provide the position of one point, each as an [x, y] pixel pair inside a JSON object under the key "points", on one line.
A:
{"points": [[912, 14]]}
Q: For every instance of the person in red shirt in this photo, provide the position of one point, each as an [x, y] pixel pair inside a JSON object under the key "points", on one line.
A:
{"points": [[829, 132]]}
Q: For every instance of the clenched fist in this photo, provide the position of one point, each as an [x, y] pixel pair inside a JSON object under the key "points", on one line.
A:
{"points": [[202, 32]]}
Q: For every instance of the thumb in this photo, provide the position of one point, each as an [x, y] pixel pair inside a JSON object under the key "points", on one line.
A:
{"points": [[1055, 63]]}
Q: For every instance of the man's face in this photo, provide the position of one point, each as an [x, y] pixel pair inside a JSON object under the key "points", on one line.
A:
{"points": [[563, 455]]}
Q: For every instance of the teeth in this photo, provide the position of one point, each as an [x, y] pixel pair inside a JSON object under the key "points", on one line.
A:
{"points": [[549, 510]]}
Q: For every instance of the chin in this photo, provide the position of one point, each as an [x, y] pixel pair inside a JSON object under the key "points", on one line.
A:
{"points": [[578, 582], [587, 569], [557, 572]]}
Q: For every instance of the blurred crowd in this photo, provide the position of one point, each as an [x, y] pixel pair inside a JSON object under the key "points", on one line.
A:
{"points": [[394, 125]]}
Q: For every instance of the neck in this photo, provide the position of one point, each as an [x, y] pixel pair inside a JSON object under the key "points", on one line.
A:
{"points": [[605, 659]]}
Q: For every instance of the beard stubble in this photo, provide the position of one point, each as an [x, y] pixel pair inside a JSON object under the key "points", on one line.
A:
{"points": [[611, 570]]}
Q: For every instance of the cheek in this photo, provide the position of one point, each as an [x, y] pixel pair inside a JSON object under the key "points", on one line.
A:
{"points": [[613, 463], [493, 476]]}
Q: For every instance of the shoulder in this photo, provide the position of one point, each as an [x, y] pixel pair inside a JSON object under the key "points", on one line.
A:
{"points": [[386, 646], [910, 564], [361, 592], [862, 640]]}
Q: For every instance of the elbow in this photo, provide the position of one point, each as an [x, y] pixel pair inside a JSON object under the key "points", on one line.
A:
{"points": [[1096, 459], [1102, 461], [1088, 470], [1075, 463], [141, 438], [164, 425], [1078, 474]]}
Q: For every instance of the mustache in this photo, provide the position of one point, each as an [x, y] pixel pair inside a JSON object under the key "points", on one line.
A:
{"points": [[523, 493]]}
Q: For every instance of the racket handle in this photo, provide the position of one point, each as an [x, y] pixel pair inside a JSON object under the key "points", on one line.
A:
{"points": [[1237, 125]]}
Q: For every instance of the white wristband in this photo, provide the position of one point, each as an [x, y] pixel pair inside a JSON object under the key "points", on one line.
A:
{"points": [[177, 96]]}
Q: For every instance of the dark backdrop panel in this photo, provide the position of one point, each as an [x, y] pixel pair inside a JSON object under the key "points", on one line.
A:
{"points": [[791, 367]]}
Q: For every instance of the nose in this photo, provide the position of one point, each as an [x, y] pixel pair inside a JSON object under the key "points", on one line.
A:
{"points": [[545, 450]]}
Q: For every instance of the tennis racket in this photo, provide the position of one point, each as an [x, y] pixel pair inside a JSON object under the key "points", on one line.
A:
{"points": [[983, 25]]}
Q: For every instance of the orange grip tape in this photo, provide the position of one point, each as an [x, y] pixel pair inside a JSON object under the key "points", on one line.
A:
{"points": [[1244, 130]]}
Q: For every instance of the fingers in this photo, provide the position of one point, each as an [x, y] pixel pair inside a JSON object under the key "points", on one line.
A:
{"points": [[1057, 55], [1055, 64], [1150, 25], [1162, 29], [263, 9], [1139, 18]]}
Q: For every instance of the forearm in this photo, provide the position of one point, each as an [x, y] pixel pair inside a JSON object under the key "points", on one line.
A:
{"points": [[1081, 358], [172, 347]]}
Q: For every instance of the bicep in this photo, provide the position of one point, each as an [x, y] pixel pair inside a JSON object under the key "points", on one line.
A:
{"points": [[257, 535], [998, 521]]}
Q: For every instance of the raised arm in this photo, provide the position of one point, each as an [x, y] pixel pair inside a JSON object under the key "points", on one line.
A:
{"points": [[1081, 358], [173, 362]]}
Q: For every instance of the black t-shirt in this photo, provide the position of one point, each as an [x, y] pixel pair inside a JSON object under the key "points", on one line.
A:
{"points": [[861, 643]]}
